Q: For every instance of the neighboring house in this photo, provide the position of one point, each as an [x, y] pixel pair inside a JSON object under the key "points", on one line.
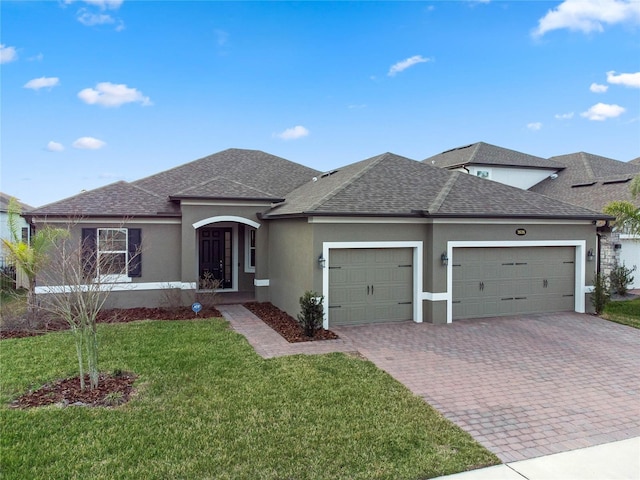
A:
{"points": [[498, 164], [384, 239], [5, 233], [581, 179], [593, 182]]}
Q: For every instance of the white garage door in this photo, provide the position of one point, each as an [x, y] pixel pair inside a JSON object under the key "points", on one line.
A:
{"points": [[630, 257], [369, 285], [490, 282]]}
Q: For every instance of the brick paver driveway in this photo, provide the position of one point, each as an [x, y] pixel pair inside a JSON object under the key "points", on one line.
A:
{"points": [[522, 386]]}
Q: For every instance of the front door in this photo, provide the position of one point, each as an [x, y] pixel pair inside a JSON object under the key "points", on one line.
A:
{"points": [[215, 252]]}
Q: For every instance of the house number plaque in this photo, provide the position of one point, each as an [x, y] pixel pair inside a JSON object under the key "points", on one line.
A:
{"points": [[521, 231]]}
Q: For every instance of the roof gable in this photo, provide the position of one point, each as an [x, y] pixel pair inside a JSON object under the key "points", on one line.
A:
{"points": [[482, 153], [253, 169], [4, 203], [120, 199], [391, 185]]}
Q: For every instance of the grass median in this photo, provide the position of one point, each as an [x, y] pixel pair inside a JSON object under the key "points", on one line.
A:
{"points": [[208, 407]]}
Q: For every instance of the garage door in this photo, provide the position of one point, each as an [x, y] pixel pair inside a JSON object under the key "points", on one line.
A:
{"points": [[370, 285], [490, 282]]}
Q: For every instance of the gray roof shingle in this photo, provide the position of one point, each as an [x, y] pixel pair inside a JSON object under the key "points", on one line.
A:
{"points": [[482, 153], [590, 181], [4, 203], [391, 185]]}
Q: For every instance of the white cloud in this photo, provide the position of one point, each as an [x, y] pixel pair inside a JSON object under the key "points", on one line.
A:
{"points": [[88, 143], [110, 94], [602, 111], [221, 37], [597, 88], [404, 64], [588, 15], [55, 146], [293, 133], [626, 79], [102, 4], [42, 82], [36, 58], [89, 18], [564, 116], [7, 54], [534, 126]]}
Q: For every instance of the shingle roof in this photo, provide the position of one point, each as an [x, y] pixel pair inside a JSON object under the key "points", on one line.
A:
{"points": [[590, 181], [635, 161], [234, 174], [117, 199], [486, 154], [257, 171], [4, 203], [389, 184]]}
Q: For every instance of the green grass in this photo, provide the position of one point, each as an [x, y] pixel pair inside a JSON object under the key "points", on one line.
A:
{"points": [[208, 407], [626, 312]]}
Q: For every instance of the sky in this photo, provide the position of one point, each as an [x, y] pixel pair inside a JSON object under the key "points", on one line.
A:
{"points": [[94, 92]]}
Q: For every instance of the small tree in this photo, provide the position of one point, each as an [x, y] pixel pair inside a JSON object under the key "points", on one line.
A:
{"points": [[620, 278], [80, 287], [600, 296], [30, 257], [627, 216], [312, 312]]}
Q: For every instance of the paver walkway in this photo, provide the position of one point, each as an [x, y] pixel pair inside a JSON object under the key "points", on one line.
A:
{"points": [[522, 386]]}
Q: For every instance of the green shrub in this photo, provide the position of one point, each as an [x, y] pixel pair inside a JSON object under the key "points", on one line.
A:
{"points": [[620, 278], [311, 312], [600, 296]]}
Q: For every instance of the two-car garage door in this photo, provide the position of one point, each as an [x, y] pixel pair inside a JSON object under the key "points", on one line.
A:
{"points": [[370, 285], [491, 282]]}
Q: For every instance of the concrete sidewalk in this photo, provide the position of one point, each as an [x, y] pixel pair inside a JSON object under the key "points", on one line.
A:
{"points": [[611, 461]]}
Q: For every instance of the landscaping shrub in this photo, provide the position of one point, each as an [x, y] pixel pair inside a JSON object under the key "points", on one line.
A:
{"points": [[600, 296], [620, 278], [312, 312]]}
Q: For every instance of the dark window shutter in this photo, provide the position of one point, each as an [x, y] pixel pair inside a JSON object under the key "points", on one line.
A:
{"points": [[89, 253], [135, 252]]}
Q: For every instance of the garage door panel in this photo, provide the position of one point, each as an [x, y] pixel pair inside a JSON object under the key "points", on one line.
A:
{"points": [[529, 279], [373, 285]]}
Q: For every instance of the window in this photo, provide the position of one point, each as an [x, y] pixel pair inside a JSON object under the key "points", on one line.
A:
{"points": [[112, 254], [483, 173], [25, 235], [250, 249]]}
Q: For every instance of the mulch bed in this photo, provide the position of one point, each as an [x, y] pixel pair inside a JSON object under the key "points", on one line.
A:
{"points": [[118, 315], [285, 324], [112, 390]]}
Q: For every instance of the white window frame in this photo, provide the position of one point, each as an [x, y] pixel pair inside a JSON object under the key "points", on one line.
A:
{"points": [[248, 230], [486, 173], [113, 277]]}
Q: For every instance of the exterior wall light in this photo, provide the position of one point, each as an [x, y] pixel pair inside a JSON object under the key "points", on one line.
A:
{"points": [[444, 259], [321, 261], [590, 255]]}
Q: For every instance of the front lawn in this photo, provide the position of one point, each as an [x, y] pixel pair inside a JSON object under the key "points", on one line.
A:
{"points": [[626, 312], [209, 407]]}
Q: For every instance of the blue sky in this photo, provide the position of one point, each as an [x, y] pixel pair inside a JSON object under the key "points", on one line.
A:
{"points": [[104, 90]]}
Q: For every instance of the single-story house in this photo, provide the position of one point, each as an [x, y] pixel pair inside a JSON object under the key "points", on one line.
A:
{"points": [[383, 239], [582, 179], [24, 232]]}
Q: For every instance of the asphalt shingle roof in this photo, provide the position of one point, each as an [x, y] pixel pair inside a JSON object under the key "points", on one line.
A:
{"points": [[4, 203], [482, 153], [234, 174], [590, 181], [389, 184]]}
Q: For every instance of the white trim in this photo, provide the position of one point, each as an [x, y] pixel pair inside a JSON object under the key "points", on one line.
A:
{"points": [[262, 282], [123, 222], [247, 250], [629, 236], [445, 221], [435, 297], [115, 287], [227, 203], [417, 247], [580, 264], [225, 218]]}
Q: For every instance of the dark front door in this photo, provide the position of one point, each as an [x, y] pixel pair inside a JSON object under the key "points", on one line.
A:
{"points": [[215, 258]]}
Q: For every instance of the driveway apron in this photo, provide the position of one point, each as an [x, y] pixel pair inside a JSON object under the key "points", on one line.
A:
{"points": [[523, 386]]}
